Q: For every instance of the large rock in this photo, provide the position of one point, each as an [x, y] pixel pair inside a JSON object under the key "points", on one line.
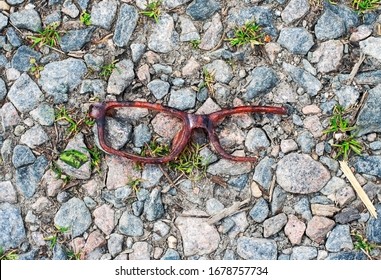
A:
{"points": [[303, 78], [339, 239], [263, 79], [199, 238], [25, 94], [103, 13], [329, 26], [369, 118], [125, 25], [121, 77], [74, 215], [164, 37], [203, 9], [21, 59], [74, 40], [12, 231], [296, 40], [299, 173], [29, 177], [26, 19], [367, 164], [256, 248], [61, 77]]}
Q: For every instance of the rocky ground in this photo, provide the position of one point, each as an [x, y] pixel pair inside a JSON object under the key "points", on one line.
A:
{"points": [[294, 203]]}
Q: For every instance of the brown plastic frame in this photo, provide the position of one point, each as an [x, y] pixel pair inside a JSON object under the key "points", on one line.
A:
{"points": [[208, 122]]}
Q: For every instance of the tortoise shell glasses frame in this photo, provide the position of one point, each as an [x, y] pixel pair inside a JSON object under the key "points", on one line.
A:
{"points": [[208, 122]]}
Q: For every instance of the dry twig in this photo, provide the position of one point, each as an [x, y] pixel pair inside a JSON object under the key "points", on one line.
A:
{"points": [[234, 208]]}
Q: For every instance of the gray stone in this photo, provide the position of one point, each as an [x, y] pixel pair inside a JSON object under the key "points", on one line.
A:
{"points": [[83, 4], [170, 4], [164, 37], [212, 35], [367, 164], [295, 10], [333, 186], [347, 256], [158, 88], [372, 78], [94, 62], [227, 167], [44, 114], [274, 224], [256, 140], [349, 16], [12, 231], [54, 17], [303, 253], [171, 254], [373, 228], [162, 69], [3, 21], [369, 118], [115, 244], [278, 200], [222, 71], [125, 24], [84, 171], [74, 215], [151, 175], [370, 47], [130, 225], [296, 40], [263, 16], [3, 89], [376, 145], [188, 30], [203, 9], [118, 133], [13, 37], [9, 116], [25, 94], [140, 251], [34, 137], [329, 26], [74, 40], [141, 135], [182, 99], [263, 173], [263, 79], [347, 96], [153, 206], [103, 13], [96, 87], [302, 207], [70, 9], [7, 192], [160, 230], [137, 208], [121, 77], [328, 56], [256, 248], [260, 210], [22, 156], [339, 239], [288, 145], [28, 256], [303, 78], [306, 142], [299, 173], [59, 252], [61, 77], [239, 182], [26, 19], [213, 206], [29, 177], [347, 215], [137, 51]]}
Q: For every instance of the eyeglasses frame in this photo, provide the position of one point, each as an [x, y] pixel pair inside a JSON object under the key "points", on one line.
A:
{"points": [[208, 122]]}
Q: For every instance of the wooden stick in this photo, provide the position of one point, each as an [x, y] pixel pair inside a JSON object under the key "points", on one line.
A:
{"points": [[355, 69], [359, 190], [234, 208]]}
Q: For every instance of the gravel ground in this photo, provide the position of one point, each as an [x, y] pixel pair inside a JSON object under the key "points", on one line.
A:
{"points": [[293, 203]]}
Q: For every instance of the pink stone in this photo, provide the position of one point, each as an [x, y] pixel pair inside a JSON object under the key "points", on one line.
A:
{"points": [[120, 171], [166, 126], [191, 68], [143, 74], [51, 183], [104, 218], [312, 123], [318, 227], [311, 109], [294, 229], [141, 251], [362, 32], [345, 195], [78, 244], [93, 187], [208, 107], [94, 241]]}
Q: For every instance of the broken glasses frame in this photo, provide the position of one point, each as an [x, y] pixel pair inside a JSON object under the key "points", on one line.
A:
{"points": [[208, 122]]}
